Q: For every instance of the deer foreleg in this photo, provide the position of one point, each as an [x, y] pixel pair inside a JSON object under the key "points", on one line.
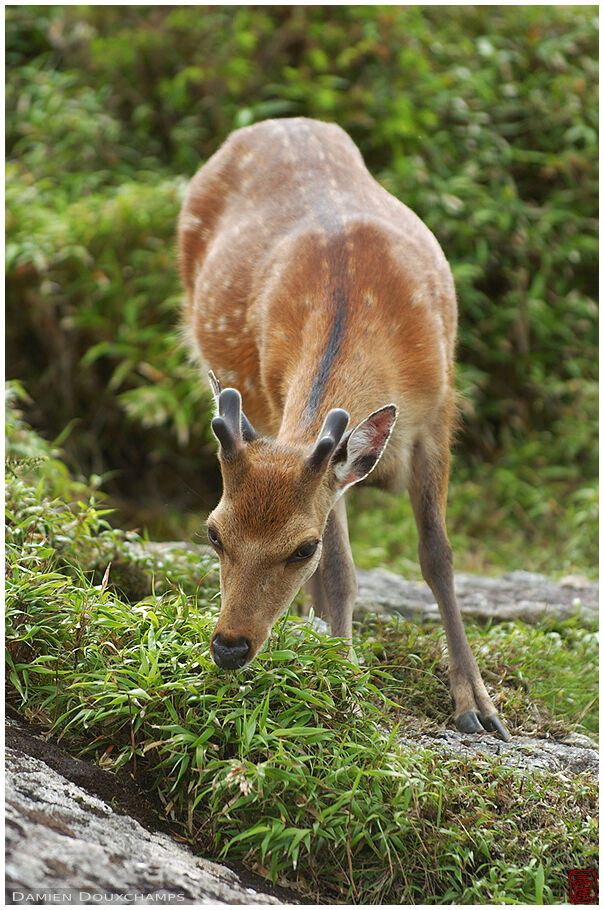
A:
{"points": [[474, 709], [337, 585], [315, 596]]}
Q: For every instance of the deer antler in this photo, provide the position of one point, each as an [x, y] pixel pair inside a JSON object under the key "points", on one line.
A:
{"points": [[331, 433], [227, 426], [231, 426]]}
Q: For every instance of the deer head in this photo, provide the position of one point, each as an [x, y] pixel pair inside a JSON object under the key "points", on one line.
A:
{"points": [[267, 528]]}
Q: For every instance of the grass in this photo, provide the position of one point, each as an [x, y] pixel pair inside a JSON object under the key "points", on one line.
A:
{"points": [[293, 765]]}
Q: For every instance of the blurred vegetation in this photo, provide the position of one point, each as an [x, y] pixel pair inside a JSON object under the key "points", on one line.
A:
{"points": [[482, 119]]}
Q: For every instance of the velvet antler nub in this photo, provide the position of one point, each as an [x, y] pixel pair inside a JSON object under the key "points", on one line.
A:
{"points": [[331, 433]]}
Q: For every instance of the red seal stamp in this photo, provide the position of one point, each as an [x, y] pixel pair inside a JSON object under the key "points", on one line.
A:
{"points": [[583, 885]]}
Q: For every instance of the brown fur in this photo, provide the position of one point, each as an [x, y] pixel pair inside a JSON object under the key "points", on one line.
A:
{"points": [[309, 287], [270, 506], [284, 214]]}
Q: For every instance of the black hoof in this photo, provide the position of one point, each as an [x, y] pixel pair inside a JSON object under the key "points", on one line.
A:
{"points": [[468, 722], [494, 725]]}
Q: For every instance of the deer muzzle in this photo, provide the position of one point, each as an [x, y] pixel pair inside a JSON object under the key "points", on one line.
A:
{"points": [[230, 653]]}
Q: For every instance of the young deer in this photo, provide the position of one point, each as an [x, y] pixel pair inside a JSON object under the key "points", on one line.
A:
{"points": [[326, 301]]}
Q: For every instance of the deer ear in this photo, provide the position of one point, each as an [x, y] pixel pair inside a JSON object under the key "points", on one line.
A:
{"points": [[362, 448]]}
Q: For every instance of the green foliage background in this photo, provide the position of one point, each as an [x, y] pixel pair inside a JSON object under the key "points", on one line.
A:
{"points": [[482, 119]]}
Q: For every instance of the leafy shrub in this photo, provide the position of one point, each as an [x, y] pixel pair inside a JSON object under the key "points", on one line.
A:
{"points": [[85, 312], [63, 134], [54, 520]]}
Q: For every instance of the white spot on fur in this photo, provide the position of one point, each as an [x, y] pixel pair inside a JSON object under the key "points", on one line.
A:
{"points": [[418, 297], [190, 222]]}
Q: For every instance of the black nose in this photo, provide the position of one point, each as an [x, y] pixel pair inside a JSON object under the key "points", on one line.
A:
{"points": [[229, 655]]}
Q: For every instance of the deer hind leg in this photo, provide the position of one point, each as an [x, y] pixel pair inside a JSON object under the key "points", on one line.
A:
{"points": [[474, 709], [333, 587]]}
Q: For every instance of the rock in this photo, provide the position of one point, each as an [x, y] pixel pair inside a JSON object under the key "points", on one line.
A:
{"points": [[381, 591], [527, 596], [61, 839], [525, 753]]}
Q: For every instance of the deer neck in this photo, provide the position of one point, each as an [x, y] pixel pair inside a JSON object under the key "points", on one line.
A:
{"points": [[332, 372]]}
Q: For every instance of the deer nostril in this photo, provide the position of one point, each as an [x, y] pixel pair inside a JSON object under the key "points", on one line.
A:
{"points": [[230, 654]]}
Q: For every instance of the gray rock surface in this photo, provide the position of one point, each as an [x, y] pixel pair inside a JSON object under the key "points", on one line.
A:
{"points": [[518, 595], [527, 754], [61, 839]]}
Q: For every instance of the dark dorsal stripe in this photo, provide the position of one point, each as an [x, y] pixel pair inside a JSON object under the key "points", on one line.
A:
{"points": [[332, 348]]}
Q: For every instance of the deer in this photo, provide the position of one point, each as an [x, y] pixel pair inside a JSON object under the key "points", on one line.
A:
{"points": [[324, 312]]}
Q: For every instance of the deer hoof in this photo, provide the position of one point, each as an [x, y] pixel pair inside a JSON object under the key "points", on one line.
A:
{"points": [[468, 722], [492, 723]]}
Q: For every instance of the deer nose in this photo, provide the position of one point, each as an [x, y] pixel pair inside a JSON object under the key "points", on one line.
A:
{"points": [[230, 654]]}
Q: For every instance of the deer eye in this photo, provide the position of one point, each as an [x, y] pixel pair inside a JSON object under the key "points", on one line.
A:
{"points": [[305, 551], [214, 538]]}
